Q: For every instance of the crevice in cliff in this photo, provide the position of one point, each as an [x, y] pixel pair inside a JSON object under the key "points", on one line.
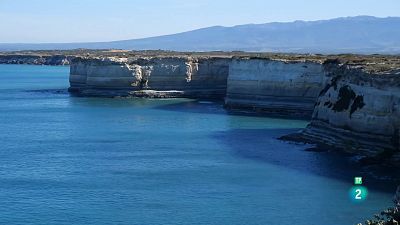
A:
{"points": [[191, 69], [332, 83], [146, 73]]}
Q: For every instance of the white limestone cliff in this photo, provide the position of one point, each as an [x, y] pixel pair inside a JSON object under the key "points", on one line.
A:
{"points": [[201, 76], [274, 86], [359, 112]]}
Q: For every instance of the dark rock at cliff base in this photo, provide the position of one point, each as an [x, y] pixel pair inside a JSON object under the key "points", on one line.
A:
{"points": [[390, 216]]}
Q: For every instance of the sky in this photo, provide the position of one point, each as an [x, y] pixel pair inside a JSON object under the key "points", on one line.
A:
{"points": [[46, 21]]}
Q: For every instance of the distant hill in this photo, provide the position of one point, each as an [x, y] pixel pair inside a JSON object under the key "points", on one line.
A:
{"points": [[361, 34]]}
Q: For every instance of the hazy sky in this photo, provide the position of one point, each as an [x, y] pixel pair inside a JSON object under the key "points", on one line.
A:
{"points": [[104, 20]]}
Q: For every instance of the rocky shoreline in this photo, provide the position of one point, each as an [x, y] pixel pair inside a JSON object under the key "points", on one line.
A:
{"points": [[357, 111], [390, 216]]}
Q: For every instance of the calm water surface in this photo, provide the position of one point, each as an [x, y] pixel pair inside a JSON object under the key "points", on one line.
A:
{"points": [[69, 160]]}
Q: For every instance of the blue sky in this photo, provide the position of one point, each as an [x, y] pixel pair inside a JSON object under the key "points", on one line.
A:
{"points": [[97, 20]]}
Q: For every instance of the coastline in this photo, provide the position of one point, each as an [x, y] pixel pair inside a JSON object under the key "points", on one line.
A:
{"points": [[358, 73], [342, 95]]}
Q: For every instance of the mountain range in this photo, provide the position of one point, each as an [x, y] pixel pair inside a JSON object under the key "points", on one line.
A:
{"points": [[360, 34]]}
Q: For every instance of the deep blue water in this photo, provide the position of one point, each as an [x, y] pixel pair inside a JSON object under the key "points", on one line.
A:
{"points": [[70, 160]]}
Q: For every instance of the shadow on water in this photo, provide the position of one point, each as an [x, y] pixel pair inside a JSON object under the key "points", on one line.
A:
{"points": [[195, 106], [61, 91], [258, 144], [262, 145], [213, 107], [97, 101]]}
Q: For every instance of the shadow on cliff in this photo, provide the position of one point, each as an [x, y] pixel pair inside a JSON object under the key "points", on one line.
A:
{"points": [[262, 145]]}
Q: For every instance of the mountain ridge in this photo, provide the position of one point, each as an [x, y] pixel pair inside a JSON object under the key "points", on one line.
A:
{"points": [[360, 34]]}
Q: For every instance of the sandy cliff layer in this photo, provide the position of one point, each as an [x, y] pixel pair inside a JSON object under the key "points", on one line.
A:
{"points": [[274, 86]]}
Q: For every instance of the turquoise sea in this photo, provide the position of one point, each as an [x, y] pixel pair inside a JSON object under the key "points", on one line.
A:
{"points": [[72, 160]]}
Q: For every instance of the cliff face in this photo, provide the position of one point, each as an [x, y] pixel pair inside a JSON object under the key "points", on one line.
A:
{"points": [[271, 86], [150, 76], [274, 86], [36, 59], [358, 111]]}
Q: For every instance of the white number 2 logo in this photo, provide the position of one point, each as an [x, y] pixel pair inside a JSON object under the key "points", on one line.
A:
{"points": [[358, 194]]}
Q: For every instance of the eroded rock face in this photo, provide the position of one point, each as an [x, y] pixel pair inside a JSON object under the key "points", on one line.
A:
{"points": [[275, 86], [198, 77], [36, 59], [270, 86], [359, 112]]}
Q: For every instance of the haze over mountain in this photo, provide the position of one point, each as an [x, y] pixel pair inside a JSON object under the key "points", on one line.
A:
{"points": [[361, 34]]}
